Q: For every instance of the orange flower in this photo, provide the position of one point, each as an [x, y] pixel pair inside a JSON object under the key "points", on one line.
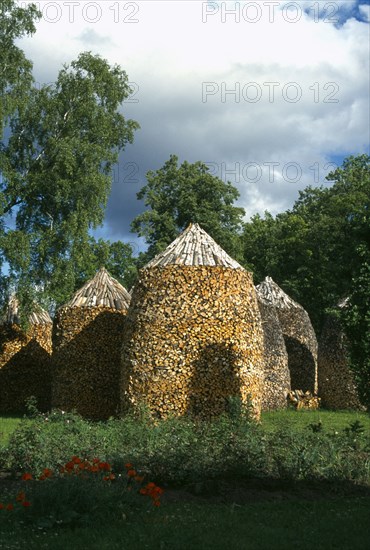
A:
{"points": [[26, 504], [47, 472], [131, 473], [143, 491], [21, 496], [156, 503], [76, 459], [27, 476], [139, 478], [10, 507], [69, 466], [95, 461], [128, 465], [94, 468]]}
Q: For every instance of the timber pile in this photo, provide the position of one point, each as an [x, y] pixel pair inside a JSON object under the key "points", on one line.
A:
{"points": [[87, 339], [193, 335], [299, 336], [303, 400], [275, 358], [336, 381], [24, 360]]}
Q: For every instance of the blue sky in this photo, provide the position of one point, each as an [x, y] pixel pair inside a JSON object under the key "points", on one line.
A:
{"points": [[269, 94]]}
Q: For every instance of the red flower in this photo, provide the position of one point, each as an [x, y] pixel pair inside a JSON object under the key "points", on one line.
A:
{"points": [[26, 504], [76, 459], [27, 476], [128, 465], [156, 503], [104, 466], [47, 472], [139, 478], [10, 507], [21, 496], [131, 473]]}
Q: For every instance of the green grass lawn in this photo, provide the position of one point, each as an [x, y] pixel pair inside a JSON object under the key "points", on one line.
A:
{"points": [[331, 420], [7, 425], [324, 524]]}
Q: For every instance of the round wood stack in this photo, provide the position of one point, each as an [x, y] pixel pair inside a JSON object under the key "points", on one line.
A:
{"points": [[275, 358], [87, 340], [299, 336], [193, 336], [336, 382], [25, 360]]}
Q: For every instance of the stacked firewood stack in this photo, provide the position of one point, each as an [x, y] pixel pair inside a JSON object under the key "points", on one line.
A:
{"points": [[303, 400], [87, 338], [337, 386], [275, 358], [299, 336], [193, 336], [24, 360]]}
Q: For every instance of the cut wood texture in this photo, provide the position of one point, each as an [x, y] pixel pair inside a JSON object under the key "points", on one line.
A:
{"points": [[24, 360], [299, 336], [275, 358], [337, 387], [303, 400], [193, 336], [87, 340]]}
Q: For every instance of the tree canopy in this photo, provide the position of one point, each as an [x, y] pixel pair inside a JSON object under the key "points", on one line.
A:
{"points": [[55, 160], [310, 249], [178, 195]]}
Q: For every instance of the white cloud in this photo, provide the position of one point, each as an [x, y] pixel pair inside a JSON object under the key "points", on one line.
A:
{"points": [[174, 48]]}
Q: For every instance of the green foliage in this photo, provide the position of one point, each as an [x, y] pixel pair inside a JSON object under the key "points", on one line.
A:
{"points": [[356, 319], [55, 163], [178, 195], [309, 250], [179, 451], [16, 71]]}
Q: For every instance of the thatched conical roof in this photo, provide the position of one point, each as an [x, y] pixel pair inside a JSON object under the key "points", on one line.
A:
{"points": [[38, 317], [270, 293], [101, 290], [194, 247]]}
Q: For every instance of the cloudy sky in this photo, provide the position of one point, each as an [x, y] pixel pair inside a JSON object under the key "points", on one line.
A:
{"points": [[272, 95]]}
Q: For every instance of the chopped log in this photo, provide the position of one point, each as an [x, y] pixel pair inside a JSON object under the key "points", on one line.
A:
{"points": [[303, 400], [25, 360], [299, 336], [193, 336], [87, 339]]}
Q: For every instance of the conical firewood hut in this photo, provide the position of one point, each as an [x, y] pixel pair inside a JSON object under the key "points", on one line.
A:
{"points": [[276, 370], [299, 336], [337, 387], [193, 336], [87, 341], [24, 360]]}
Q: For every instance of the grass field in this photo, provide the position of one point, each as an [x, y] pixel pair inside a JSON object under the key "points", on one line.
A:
{"points": [[331, 420], [324, 524], [215, 513], [7, 425]]}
